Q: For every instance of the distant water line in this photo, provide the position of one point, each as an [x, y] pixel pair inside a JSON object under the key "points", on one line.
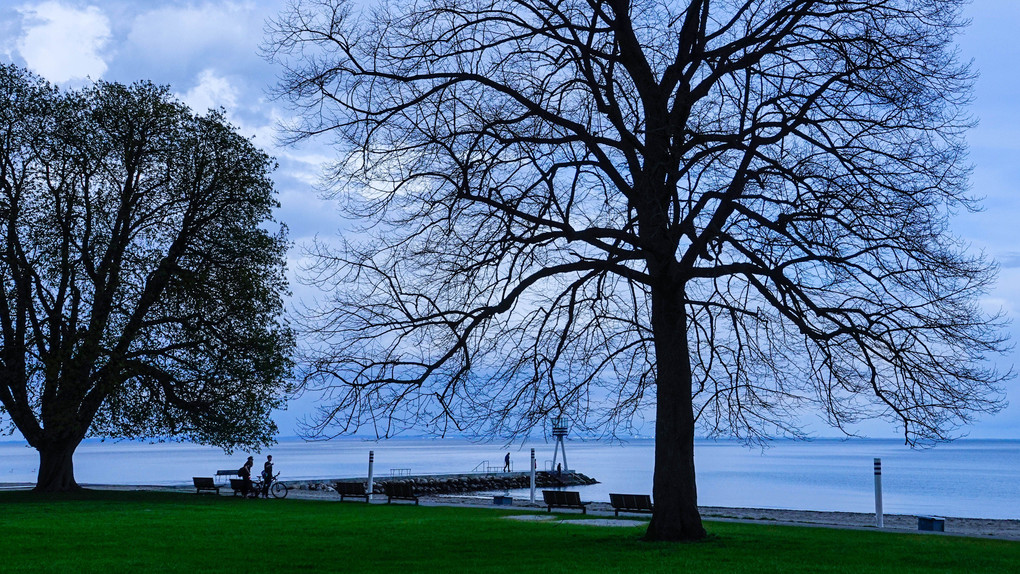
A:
{"points": [[968, 478]]}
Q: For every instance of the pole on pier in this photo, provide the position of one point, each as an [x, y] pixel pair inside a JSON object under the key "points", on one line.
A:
{"points": [[533, 476], [878, 492], [559, 431], [371, 463]]}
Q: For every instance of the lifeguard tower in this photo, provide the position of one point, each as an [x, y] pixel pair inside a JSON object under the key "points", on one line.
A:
{"points": [[559, 431]]}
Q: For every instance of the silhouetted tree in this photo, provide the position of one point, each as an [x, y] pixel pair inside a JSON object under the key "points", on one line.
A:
{"points": [[141, 290], [734, 210]]}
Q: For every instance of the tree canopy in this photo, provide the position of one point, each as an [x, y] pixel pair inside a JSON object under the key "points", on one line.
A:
{"points": [[736, 211], [141, 281]]}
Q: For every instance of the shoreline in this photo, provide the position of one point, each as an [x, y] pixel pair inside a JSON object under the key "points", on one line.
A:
{"points": [[602, 513], [969, 478]]}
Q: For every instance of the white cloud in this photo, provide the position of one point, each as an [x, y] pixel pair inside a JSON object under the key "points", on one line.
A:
{"points": [[10, 29], [211, 91], [178, 35], [62, 43]]}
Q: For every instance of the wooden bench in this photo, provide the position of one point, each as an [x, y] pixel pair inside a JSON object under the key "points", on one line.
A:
{"points": [[227, 473], [399, 491], [564, 499], [237, 485], [630, 502], [355, 489], [204, 483]]}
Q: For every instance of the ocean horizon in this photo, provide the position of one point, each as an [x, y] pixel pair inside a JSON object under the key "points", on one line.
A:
{"points": [[976, 478]]}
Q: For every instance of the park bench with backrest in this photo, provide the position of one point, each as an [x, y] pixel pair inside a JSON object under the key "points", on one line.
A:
{"points": [[355, 489], [399, 491], [630, 502], [227, 473], [204, 483], [237, 485], [564, 499]]}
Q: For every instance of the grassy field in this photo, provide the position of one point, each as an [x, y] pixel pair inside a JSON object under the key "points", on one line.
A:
{"points": [[166, 532]]}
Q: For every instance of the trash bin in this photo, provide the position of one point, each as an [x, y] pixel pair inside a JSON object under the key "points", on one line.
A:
{"points": [[503, 500], [931, 523]]}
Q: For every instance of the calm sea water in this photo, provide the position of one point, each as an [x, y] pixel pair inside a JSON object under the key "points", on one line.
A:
{"points": [[970, 478]]}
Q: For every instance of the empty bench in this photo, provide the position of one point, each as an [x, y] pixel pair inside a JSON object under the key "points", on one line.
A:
{"points": [[630, 502], [564, 499], [227, 473], [237, 485], [355, 489], [399, 491], [204, 483]]}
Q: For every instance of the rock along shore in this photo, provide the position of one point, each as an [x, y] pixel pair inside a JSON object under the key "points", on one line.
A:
{"points": [[458, 483]]}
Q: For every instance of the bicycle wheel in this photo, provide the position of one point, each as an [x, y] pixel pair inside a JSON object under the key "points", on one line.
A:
{"points": [[279, 490]]}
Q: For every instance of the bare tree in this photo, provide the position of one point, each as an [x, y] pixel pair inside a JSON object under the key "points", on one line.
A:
{"points": [[733, 210], [141, 290]]}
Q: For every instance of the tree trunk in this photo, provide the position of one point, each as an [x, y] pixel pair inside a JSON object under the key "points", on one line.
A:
{"points": [[56, 468], [674, 489]]}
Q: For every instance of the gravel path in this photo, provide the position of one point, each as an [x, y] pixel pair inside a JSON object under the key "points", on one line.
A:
{"points": [[977, 527]]}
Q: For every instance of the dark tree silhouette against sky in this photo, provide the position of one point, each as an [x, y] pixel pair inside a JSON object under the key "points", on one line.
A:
{"points": [[141, 289], [734, 210]]}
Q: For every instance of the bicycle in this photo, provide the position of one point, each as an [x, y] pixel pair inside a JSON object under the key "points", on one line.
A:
{"points": [[276, 488]]}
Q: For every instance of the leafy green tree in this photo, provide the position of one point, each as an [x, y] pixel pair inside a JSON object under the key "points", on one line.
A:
{"points": [[141, 289], [733, 211]]}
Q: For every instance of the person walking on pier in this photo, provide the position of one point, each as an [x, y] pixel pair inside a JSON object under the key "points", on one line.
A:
{"points": [[506, 463]]}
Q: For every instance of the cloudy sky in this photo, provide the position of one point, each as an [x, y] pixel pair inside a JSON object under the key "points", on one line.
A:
{"points": [[208, 53]]}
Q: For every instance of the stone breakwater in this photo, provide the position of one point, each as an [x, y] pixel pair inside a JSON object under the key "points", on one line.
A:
{"points": [[461, 483]]}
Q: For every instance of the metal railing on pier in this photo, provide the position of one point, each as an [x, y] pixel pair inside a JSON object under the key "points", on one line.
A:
{"points": [[485, 467]]}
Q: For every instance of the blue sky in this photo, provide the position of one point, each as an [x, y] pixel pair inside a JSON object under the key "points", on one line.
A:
{"points": [[208, 53]]}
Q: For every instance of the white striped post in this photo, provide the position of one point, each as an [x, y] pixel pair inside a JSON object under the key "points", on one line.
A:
{"points": [[371, 463], [878, 492], [533, 476]]}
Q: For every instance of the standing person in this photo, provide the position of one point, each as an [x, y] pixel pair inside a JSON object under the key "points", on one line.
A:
{"points": [[245, 473], [267, 475], [506, 463]]}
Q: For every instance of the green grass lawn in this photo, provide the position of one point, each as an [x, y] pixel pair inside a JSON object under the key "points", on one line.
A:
{"points": [[165, 532]]}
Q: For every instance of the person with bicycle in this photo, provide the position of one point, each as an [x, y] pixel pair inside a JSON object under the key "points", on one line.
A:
{"points": [[267, 475], [245, 473], [269, 485]]}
